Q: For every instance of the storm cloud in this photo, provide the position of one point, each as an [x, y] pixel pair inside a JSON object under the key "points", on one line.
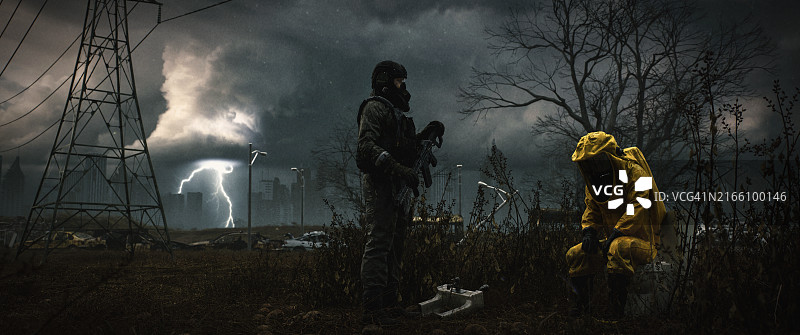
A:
{"points": [[284, 74]]}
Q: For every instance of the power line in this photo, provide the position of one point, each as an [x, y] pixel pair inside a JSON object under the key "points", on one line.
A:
{"points": [[33, 139], [144, 38], [197, 10], [175, 17], [9, 19], [43, 73], [37, 106], [23, 38]]}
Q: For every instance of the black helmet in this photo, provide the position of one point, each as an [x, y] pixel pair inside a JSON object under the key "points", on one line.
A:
{"points": [[385, 72]]}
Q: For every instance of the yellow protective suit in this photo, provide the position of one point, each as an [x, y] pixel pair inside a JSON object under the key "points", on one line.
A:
{"points": [[641, 230]]}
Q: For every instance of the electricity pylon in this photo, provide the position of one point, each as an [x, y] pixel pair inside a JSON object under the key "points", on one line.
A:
{"points": [[99, 176]]}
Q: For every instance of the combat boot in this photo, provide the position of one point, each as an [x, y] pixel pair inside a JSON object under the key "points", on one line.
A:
{"points": [[582, 289], [617, 294], [374, 314], [392, 308]]}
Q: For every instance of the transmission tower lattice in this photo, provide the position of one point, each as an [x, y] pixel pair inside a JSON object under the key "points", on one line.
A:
{"points": [[99, 176]]}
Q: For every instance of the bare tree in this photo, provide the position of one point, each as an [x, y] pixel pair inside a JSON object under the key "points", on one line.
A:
{"points": [[335, 159], [625, 67]]}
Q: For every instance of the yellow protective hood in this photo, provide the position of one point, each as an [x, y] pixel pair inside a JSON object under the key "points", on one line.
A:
{"points": [[594, 143], [598, 161]]}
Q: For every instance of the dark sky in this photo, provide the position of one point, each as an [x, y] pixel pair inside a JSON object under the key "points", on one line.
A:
{"points": [[283, 74]]}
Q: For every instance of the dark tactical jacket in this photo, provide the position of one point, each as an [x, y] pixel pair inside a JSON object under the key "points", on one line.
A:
{"points": [[384, 128]]}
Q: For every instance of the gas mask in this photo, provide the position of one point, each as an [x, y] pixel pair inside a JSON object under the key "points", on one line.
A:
{"points": [[598, 172], [399, 97]]}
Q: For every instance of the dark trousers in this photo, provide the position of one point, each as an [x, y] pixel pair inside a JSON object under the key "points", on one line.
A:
{"points": [[380, 266]]}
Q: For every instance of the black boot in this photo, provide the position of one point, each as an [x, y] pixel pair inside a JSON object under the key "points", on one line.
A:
{"points": [[393, 309], [389, 297], [582, 288], [389, 304], [371, 302], [374, 314], [617, 294]]}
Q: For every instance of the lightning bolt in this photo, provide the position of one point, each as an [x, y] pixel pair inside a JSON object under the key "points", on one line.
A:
{"points": [[221, 168]]}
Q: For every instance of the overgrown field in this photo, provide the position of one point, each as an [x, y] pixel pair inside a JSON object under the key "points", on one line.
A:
{"points": [[227, 292], [317, 292]]}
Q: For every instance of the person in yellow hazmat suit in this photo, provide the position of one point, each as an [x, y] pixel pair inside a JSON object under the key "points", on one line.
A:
{"points": [[622, 209]]}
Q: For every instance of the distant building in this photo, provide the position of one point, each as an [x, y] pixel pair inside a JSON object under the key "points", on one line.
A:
{"points": [[175, 210], [13, 190], [194, 210], [271, 206], [274, 203], [258, 209], [316, 211], [136, 190], [267, 189], [95, 184], [88, 183], [281, 204]]}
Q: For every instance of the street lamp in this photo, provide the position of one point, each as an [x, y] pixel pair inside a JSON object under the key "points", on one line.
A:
{"points": [[459, 190], [255, 154], [460, 227], [301, 173]]}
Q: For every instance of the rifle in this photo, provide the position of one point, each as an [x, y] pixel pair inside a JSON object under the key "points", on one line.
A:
{"points": [[422, 164]]}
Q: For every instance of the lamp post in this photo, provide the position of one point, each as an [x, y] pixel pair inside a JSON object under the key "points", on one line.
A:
{"points": [[459, 190], [301, 173], [255, 154]]}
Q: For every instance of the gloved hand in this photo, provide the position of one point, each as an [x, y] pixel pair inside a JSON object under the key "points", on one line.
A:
{"points": [[614, 234], [589, 242], [405, 173], [432, 130]]}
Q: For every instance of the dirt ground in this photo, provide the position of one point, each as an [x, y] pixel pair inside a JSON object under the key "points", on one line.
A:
{"points": [[221, 292]]}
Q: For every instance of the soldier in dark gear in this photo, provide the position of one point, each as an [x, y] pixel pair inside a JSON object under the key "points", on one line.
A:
{"points": [[387, 148]]}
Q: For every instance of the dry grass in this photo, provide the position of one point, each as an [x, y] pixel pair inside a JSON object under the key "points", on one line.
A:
{"points": [[218, 292]]}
